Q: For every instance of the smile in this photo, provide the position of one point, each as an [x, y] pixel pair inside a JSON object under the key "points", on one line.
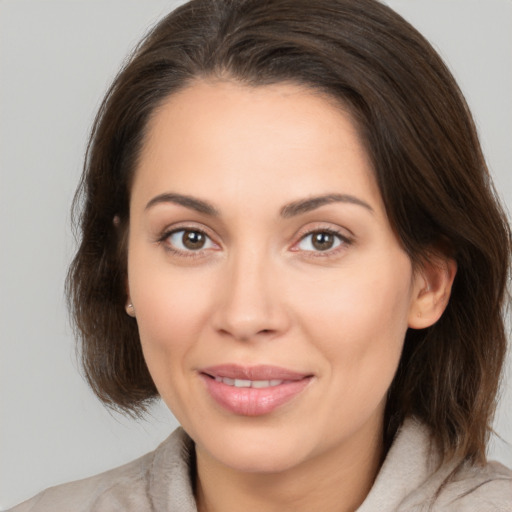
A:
{"points": [[253, 391], [243, 383]]}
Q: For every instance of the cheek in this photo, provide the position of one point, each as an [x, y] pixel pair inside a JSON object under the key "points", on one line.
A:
{"points": [[171, 316], [360, 333], [359, 323], [170, 311]]}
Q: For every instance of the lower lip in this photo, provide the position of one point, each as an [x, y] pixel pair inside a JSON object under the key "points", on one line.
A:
{"points": [[253, 401]]}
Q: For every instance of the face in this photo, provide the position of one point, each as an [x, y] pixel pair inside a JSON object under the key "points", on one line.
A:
{"points": [[271, 294]]}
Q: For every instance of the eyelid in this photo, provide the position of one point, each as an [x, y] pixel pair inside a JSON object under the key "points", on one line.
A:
{"points": [[346, 237], [176, 244], [343, 234], [166, 232], [184, 226]]}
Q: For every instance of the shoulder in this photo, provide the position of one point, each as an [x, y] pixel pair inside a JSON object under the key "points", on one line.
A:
{"points": [[476, 488], [136, 486], [457, 486], [93, 493], [412, 479]]}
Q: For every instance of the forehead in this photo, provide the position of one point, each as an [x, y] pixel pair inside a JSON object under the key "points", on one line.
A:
{"points": [[222, 137]]}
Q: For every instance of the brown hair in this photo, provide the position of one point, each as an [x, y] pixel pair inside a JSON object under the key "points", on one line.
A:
{"points": [[428, 163]]}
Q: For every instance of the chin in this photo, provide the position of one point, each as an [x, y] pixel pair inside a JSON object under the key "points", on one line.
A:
{"points": [[259, 461], [257, 451]]}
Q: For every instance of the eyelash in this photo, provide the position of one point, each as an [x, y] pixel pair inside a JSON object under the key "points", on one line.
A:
{"points": [[183, 254], [344, 240]]}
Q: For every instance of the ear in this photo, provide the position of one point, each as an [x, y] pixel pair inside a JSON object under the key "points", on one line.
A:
{"points": [[130, 310], [432, 288]]}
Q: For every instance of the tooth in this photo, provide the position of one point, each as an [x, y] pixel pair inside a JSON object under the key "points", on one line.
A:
{"points": [[260, 383], [246, 383], [242, 383]]}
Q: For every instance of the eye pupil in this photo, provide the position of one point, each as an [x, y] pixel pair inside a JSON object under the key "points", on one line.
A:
{"points": [[193, 239], [323, 241]]}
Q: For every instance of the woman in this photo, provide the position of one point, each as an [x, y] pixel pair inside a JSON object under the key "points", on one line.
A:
{"points": [[288, 232]]}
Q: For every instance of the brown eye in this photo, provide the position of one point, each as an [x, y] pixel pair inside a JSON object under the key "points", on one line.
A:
{"points": [[193, 240], [320, 241], [189, 240], [323, 241]]}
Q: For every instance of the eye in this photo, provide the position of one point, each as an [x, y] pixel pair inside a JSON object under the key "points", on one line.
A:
{"points": [[187, 240], [321, 241]]}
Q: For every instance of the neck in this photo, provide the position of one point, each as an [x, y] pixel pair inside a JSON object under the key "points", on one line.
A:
{"points": [[336, 481]]}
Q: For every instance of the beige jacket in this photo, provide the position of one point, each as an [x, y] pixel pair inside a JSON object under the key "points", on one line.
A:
{"points": [[407, 482]]}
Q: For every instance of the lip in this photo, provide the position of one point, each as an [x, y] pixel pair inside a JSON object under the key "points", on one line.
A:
{"points": [[259, 372], [251, 401]]}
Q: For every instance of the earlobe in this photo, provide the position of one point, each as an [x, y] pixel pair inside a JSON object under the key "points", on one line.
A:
{"points": [[128, 307], [433, 285], [130, 310]]}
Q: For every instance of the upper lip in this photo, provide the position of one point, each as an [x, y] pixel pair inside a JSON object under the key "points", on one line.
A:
{"points": [[259, 372]]}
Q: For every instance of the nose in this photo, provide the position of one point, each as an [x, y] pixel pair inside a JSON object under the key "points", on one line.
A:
{"points": [[250, 302]]}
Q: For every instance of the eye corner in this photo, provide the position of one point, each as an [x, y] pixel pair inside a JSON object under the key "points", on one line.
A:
{"points": [[198, 245], [335, 242]]}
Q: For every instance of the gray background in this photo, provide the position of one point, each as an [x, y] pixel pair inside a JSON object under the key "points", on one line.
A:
{"points": [[56, 60]]}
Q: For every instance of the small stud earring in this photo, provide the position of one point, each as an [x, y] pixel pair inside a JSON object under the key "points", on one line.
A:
{"points": [[130, 309]]}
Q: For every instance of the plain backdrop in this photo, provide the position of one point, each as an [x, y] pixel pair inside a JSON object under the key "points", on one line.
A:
{"points": [[57, 58]]}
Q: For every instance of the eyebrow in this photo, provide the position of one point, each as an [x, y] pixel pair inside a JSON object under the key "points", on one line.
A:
{"points": [[290, 210], [199, 205], [312, 203]]}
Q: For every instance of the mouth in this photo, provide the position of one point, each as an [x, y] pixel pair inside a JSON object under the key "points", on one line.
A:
{"points": [[255, 390], [243, 383]]}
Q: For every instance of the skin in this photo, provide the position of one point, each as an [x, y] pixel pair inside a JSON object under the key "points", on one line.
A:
{"points": [[259, 292]]}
